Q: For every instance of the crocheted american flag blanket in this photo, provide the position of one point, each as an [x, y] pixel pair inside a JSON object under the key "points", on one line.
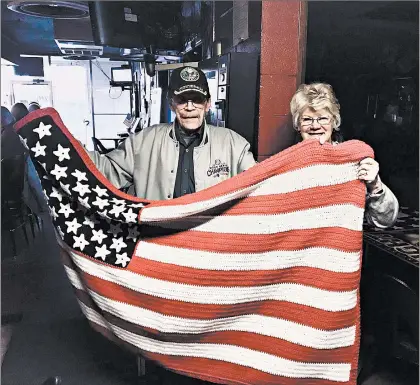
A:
{"points": [[252, 281]]}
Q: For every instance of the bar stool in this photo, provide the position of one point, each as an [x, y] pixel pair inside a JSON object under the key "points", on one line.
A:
{"points": [[14, 210]]}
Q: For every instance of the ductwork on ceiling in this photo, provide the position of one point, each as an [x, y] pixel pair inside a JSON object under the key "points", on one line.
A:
{"points": [[161, 55], [54, 9], [81, 48], [79, 57], [72, 28], [74, 37], [158, 35]]}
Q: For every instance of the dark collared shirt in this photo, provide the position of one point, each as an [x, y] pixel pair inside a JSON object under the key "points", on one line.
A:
{"points": [[185, 182]]}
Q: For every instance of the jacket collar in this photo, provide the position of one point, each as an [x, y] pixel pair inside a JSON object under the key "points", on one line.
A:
{"points": [[204, 141]]}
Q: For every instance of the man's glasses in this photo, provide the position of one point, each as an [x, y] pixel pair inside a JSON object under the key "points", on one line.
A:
{"points": [[322, 121], [197, 100]]}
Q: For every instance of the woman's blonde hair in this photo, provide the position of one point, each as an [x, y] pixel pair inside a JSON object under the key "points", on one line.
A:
{"points": [[317, 96]]}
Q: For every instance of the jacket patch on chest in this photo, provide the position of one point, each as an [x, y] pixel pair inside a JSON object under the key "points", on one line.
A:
{"points": [[218, 168]]}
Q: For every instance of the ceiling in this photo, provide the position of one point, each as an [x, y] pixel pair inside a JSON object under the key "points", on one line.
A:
{"points": [[330, 22], [26, 34], [31, 35]]}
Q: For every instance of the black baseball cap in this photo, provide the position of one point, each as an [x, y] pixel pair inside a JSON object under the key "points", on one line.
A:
{"points": [[188, 79]]}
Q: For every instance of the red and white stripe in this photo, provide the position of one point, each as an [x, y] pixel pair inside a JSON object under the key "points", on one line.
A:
{"points": [[264, 292]]}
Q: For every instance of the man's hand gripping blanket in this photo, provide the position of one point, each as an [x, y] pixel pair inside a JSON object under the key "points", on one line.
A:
{"points": [[252, 281]]}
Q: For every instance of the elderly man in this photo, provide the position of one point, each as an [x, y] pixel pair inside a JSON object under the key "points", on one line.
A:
{"points": [[167, 161]]}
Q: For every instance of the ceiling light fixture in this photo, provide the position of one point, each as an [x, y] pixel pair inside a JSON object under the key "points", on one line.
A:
{"points": [[54, 9]]}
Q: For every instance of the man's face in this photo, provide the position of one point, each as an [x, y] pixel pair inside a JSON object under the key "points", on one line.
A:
{"points": [[190, 109]]}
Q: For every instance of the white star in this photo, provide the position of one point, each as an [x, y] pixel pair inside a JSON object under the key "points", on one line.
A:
{"points": [[43, 130], [101, 203], [80, 242], [90, 221], [100, 191], [65, 188], [137, 205], [43, 165], [82, 189], [118, 201], [60, 231], [73, 226], [39, 150], [53, 213], [24, 141], [59, 171], [79, 175], [115, 229], [62, 153], [118, 244], [98, 236], [56, 194], [46, 195], [122, 259], [65, 210], [101, 252], [133, 233], [130, 216], [84, 202], [117, 210]]}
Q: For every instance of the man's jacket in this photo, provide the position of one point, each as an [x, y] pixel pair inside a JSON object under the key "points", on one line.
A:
{"points": [[149, 160]]}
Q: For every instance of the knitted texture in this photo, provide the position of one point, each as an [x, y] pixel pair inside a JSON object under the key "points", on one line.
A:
{"points": [[252, 281]]}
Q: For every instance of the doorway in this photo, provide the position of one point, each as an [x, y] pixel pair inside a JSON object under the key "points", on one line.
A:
{"points": [[71, 90]]}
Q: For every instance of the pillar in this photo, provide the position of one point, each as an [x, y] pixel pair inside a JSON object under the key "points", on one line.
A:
{"points": [[283, 42]]}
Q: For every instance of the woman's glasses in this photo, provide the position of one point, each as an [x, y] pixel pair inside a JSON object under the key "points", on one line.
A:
{"points": [[322, 121]]}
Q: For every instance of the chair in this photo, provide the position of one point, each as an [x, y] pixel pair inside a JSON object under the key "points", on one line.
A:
{"points": [[13, 209], [7, 118], [33, 195], [16, 214], [99, 147]]}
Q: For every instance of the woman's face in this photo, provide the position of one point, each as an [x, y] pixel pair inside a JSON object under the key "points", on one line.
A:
{"points": [[316, 125]]}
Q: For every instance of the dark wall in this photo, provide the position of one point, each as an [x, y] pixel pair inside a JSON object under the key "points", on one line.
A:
{"points": [[359, 46], [369, 52]]}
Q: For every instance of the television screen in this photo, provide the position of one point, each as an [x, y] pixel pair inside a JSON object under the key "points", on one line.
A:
{"points": [[29, 66], [137, 24], [121, 75]]}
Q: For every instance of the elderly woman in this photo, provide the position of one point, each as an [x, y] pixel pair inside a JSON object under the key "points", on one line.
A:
{"points": [[316, 115]]}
